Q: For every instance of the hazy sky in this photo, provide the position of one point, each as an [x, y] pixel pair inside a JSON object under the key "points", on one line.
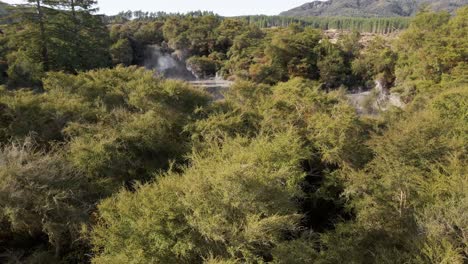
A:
{"points": [[222, 7]]}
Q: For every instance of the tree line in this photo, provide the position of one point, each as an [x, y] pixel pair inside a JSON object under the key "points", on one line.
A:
{"points": [[382, 25], [236, 49], [66, 36], [363, 25]]}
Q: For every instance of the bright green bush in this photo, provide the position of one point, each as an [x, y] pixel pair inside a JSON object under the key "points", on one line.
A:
{"points": [[413, 192], [43, 116], [326, 121], [147, 170], [235, 201], [135, 89], [141, 127], [433, 46], [23, 71], [127, 146]]}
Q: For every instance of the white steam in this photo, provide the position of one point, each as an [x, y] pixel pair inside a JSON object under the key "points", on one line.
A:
{"points": [[166, 64]]}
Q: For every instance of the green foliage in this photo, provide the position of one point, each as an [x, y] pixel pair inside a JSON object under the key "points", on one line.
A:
{"points": [[126, 146], [227, 31], [22, 71], [134, 35], [133, 88], [44, 38], [121, 166], [122, 52], [149, 33], [295, 251], [233, 202], [278, 56], [331, 65], [377, 60], [292, 50], [140, 128], [325, 120], [327, 123], [241, 51], [413, 192], [203, 67], [238, 115], [246, 49], [42, 116], [3, 59], [4, 10], [42, 193], [432, 47], [371, 25], [195, 34], [94, 132]]}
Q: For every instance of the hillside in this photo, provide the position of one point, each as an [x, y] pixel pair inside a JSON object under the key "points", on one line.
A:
{"points": [[371, 8]]}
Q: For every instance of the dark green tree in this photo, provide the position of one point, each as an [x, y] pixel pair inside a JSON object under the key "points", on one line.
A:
{"points": [[122, 52]]}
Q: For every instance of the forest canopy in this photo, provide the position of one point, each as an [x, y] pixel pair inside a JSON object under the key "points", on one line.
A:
{"points": [[104, 161]]}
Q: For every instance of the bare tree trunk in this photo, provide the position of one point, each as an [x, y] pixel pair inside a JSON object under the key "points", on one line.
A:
{"points": [[76, 28], [73, 10], [45, 51]]}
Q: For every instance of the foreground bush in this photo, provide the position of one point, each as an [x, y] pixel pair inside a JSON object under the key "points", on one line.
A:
{"points": [[235, 202], [411, 198], [43, 197]]}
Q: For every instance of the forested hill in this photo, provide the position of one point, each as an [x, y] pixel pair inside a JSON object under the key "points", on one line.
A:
{"points": [[371, 8]]}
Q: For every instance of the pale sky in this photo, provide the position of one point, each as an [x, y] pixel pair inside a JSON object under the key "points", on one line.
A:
{"points": [[222, 7]]}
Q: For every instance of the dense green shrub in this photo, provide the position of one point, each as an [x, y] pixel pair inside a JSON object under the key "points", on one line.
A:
{"points": [[122, 52], [377, 59], [203, 67], [140, 128], [132, 88], [233, 202], [23, 71], [127, 146], [42, 116], [412, 193], [433, 46], [43, 198]]}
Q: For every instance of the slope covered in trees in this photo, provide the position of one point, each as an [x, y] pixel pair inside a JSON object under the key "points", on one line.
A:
{"points": [[117, 165], [372, 8]]}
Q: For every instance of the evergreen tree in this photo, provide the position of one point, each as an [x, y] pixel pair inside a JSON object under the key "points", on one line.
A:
{"points": [[58, 35]]}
